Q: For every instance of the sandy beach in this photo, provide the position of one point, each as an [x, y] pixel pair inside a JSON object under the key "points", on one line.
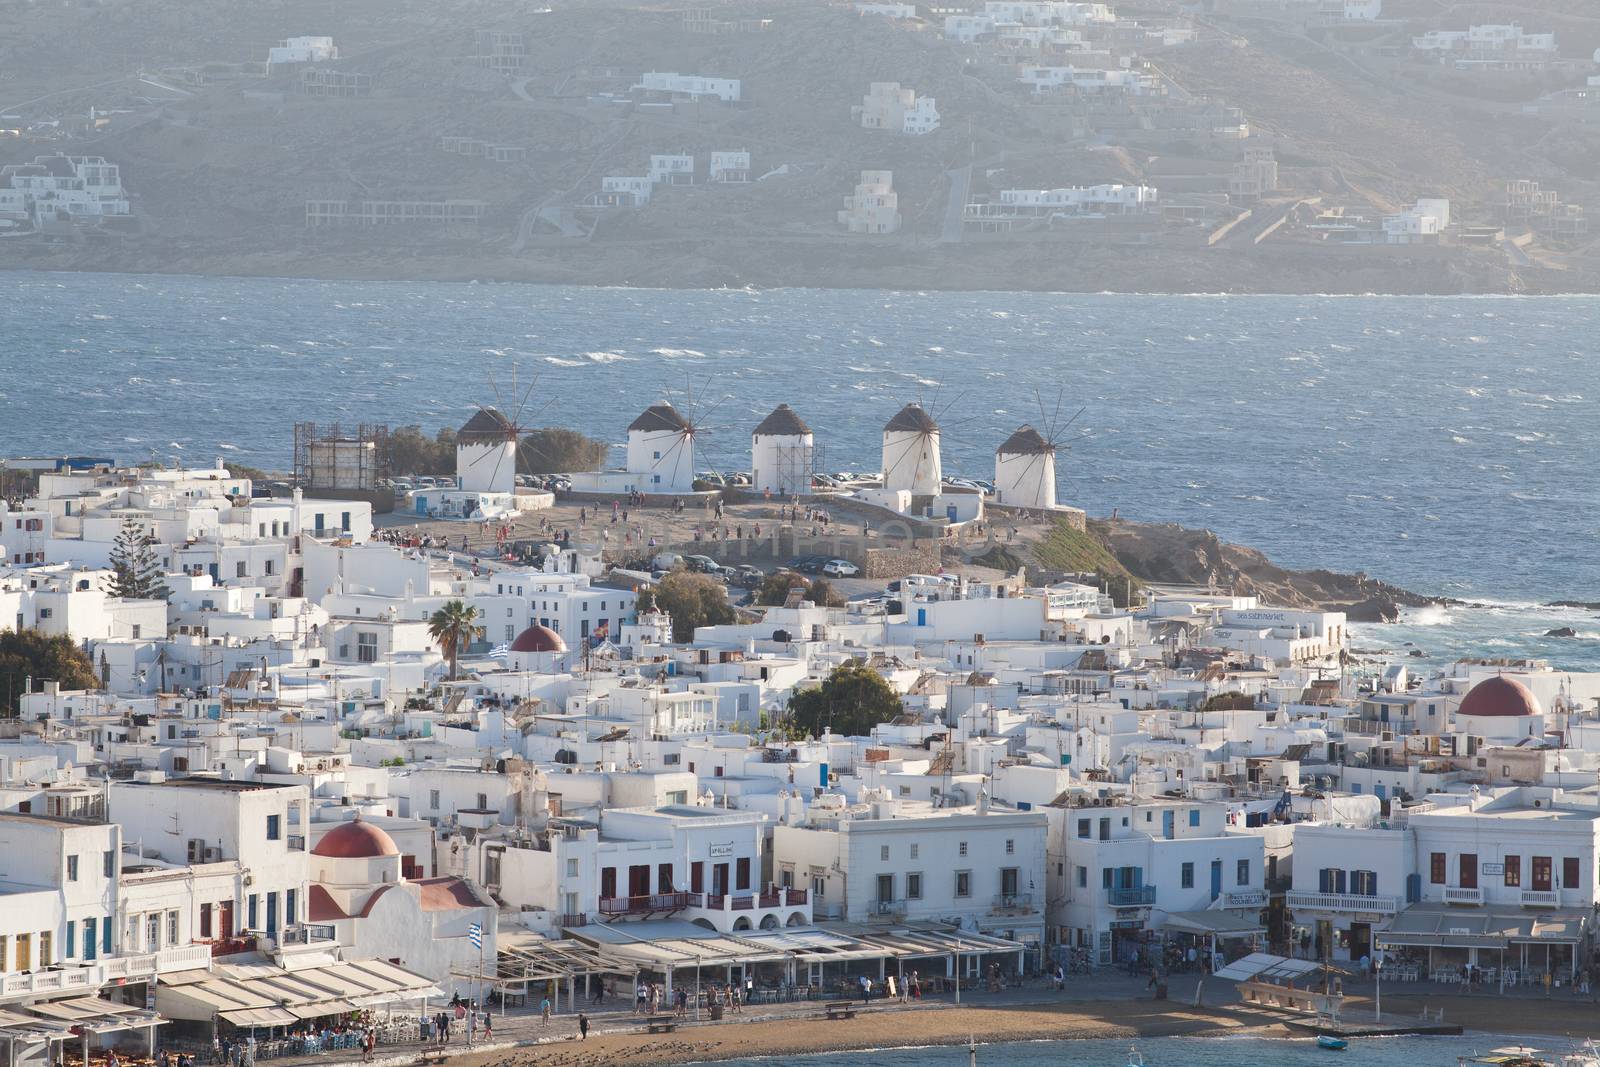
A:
{"points": [[882, 1028]]}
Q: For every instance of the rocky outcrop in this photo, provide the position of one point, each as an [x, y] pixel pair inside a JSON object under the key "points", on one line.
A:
{"points": [[1166, 553]]}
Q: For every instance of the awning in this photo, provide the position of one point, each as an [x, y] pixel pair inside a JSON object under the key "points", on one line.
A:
{"points": [[244, 1017], [1265, 967], [1223, 925], [321, 1008], [1442, 926]]}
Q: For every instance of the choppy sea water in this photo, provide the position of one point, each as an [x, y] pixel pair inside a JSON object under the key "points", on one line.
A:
{"points": [[1175, 1052], [1446, 444]]}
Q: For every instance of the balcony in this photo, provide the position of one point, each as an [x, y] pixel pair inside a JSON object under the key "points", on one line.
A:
{"points": [[231, 946], [649, 902], [297, 842], [1013, 902], [887, 909], [1139, 896], [1341, 902], [1541, 898], [1458, 895], [576, 918]]}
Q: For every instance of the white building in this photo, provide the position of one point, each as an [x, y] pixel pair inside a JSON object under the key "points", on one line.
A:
{"points": [[1422, 223], [486, 454], [732, 167], [1363, 10], [672, 170], [873, 207], [302, 50], [782, 454], [890, 11], [889, 107], [689, 86], [622, 190]]}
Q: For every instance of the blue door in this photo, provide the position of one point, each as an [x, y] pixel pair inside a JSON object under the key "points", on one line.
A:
{"points": [[950, 513], [89, 941], [1167, 823], [922, 616], [1216, 879]]}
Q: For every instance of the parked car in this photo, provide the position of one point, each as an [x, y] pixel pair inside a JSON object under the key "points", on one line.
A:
{"points": [[807, 564], [401, 485], [840, 568], [703, 564], [749, 576]]}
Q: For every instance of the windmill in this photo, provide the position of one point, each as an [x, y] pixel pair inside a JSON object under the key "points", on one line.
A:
{"points": [[911, 459], [489, 445], [1025, 463], [662, 443]]}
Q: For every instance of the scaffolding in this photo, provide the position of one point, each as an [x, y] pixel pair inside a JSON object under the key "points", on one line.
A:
{"points": [[796, 466], [329, 457], [502, 51]]}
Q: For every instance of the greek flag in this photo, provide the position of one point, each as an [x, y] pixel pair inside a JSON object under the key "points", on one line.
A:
{"points": [[475, 935], [499, 651]]}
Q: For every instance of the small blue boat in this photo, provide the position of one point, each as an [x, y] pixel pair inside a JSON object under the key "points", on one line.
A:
{"points": [[1331, 1043]]}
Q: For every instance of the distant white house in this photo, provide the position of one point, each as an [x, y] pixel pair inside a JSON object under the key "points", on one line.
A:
{"points": [[619, 190], [672, 170], [62, 188], [1489, 47], [1082, 200], [302, 50], [874, 207], [1426, 221], [892, 11], [1363, 10], [889, 107], [730, 167], [1089, 80], [690, 86]]}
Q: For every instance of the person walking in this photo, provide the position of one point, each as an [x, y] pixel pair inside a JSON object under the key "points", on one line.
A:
{"points": [[488, 1026], [544, 1011], [583, 1027]]}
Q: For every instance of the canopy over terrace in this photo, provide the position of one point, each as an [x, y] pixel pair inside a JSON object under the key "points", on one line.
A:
{"points": [[30, 1030], [523, 957], [1439, 928], [254, 995]]}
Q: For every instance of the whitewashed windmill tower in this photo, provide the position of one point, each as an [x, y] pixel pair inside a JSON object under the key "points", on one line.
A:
{"points": [[911, 452], [782, 453], [661, 450], [1025, 470], [486, 453]]}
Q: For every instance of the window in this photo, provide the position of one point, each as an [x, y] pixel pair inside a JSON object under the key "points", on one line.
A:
{"points": [[1194, 816], [963, 883], [1083, 877], [1364, 883], [433, 799], [205, 920], [1105, 829], [172, 927], [1541, 874], [152, 931], [1570, 878], [1467, 868], [1105, 878], [1186, 876], [110, 864], [72, 868], [483, 800], [913, 851], [1011, 847], [1436, 868], [1513, 867], [883, 852], [366, 648], [963, 849], [742, 873], [572, 868], [1242, 873], [1010, 879], [46, 938], [914, 886], [239, 570], [1083, 828], [273, 827], [250, 912], [72, 931]]}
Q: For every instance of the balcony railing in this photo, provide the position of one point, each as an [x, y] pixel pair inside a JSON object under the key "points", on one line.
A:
{"points": [[576, 918], [297, 842], [1541, 898], [1457, 895], [1342, 902], [1141, 896], [888, 908], [647, 903], [1014, 902]]}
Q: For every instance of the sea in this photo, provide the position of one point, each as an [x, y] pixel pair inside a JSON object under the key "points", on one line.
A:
{"points": [[1175, 1052], [1448, 445]]}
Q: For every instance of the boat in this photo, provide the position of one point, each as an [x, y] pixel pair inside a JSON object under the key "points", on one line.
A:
{"points": [[1585, 1055], [1134, 1058], [1331, 1043]]}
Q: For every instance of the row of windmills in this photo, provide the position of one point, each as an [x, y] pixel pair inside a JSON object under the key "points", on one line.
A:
{"points": [[784, 458]]}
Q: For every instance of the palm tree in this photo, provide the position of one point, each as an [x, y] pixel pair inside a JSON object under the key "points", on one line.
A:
{"points": [[452, 627]]}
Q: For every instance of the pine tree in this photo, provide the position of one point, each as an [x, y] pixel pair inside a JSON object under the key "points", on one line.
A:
{"points": [[135, 569]]}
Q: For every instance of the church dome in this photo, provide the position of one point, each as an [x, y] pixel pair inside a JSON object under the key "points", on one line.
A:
{"points": [[355, 840], [1500, 697], [538, 638]]}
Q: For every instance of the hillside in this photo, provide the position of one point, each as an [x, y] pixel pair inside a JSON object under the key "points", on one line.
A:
{"points": [[221, 156]]}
